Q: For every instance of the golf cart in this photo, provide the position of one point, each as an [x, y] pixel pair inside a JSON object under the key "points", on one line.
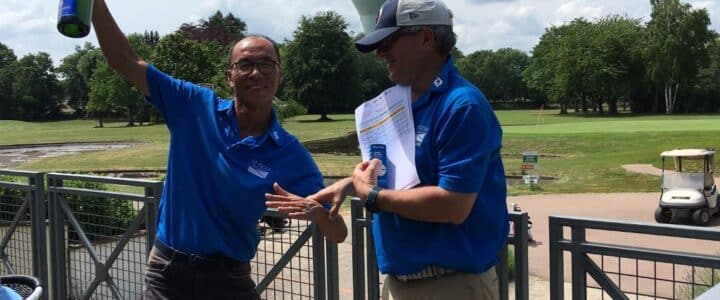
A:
{"points": [[690, 190]]}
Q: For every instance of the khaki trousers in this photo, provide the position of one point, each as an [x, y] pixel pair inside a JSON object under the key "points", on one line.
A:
{"points": [[482, 286]]}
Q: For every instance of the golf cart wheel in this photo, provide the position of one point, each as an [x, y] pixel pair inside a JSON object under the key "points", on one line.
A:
{"points": [[663, 215], [701, 216]]}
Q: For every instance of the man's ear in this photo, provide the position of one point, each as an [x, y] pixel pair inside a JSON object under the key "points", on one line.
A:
{"points": [[428, 37], [230, 81]]}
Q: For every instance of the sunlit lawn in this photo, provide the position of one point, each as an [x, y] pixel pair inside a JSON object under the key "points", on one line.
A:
{"points": [[583, 152]]}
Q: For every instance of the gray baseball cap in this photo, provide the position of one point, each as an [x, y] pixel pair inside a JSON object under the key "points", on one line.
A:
{"points": [[395, 14]]}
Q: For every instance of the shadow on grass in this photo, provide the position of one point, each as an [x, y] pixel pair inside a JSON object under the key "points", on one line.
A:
{"points": [[125, 125], [345, 145], [321, 121]]}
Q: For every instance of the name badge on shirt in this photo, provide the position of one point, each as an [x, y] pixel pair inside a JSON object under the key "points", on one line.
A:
{"points": [[258, 169], [420, 134]]}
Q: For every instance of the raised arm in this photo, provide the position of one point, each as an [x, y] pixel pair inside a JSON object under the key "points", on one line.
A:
{"points": [[116, 48]]}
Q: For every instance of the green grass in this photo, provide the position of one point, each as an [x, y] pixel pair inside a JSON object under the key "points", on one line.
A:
{"points": [[584, 152]]}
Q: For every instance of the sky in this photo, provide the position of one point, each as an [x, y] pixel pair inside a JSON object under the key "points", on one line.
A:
{"points": [[29, 26]]}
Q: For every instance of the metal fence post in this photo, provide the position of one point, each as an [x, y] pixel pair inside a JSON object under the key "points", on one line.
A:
{"points": [[521, 257], [318, 262], [154, 193], [358, 248], [502, 272], [39, 238], [57, 241], [556, 259], [333, 283], [579, 279]]}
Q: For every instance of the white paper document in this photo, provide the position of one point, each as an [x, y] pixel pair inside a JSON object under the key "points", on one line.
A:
{"points": [[387, 119]]}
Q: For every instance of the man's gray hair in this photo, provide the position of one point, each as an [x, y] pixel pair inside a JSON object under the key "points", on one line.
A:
{"points": [[444, 36]]}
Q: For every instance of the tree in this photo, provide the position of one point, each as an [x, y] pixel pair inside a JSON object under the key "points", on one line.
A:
{"points": [[617, 46], [7, 64], [76, 70], [108, 90], [546, 71], [678, 40], [707, 88], [319, 67], [499, 74], [151, 38], [223, 29], [194, 61], [373, 77], [372, 74], [36, 88]]}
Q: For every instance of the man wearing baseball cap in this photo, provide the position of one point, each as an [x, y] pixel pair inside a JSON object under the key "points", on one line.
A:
{"points": [[440, 239]]}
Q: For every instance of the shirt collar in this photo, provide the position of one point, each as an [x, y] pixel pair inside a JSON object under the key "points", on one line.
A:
{"points": [[274, 132], [439, 85]]}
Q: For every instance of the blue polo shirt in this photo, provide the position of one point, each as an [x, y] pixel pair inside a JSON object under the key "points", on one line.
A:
{"points": [[457, 147], [215, 182]]}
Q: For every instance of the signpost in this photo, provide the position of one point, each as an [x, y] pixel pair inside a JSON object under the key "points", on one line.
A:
{"points": [[529, 165]]}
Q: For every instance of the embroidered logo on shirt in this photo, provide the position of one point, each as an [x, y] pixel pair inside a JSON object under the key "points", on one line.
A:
{"points": [[258, 169], [275, 135], [438, 82], [420, 134]]}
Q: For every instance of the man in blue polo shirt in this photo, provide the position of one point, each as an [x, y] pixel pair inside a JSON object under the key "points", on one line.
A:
{"points": [[224, 157], [440, 239]]}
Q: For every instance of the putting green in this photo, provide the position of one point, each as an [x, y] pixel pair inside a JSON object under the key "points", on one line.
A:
{"points": [[620, 126]]}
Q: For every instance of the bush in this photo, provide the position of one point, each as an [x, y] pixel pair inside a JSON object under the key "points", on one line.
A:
{"points": [[100, 217], [288, 109], [11, 200]]}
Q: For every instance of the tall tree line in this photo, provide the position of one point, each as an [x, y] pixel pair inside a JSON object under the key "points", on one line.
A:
{"points": [[667, 65]]}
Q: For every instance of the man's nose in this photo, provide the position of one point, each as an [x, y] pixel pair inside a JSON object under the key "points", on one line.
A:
{"points": [[255, 72]]}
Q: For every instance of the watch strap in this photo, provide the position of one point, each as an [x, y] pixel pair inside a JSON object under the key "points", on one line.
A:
{"points": [[371, 202]]}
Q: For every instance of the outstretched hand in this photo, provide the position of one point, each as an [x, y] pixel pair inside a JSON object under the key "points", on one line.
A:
{"points": [[294, 206], [334, 194]]}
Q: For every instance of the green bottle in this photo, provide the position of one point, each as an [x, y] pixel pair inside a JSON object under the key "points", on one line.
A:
{"points": [[74, 17]]}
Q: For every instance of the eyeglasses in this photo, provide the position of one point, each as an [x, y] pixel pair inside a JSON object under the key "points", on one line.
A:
{"points": [[265, 66]]}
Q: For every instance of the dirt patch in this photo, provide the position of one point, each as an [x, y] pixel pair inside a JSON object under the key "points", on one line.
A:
{"points": [[13, 155], [650, 170]]}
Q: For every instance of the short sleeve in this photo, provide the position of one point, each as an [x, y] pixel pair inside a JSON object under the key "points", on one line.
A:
{"points": [[468, 137], [170, 96], [305, 178]]}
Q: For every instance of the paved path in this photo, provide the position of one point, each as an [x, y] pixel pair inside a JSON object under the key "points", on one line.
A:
{"points": [[617, 206]]}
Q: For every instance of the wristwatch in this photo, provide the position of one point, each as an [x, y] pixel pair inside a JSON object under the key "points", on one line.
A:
{"points": [[371, 202]]}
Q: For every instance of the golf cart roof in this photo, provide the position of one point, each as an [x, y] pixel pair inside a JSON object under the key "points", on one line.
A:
{"points": [[688, 153]]}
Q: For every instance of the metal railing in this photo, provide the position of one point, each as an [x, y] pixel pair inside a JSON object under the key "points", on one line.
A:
{"points": [[100, 239], [101, 229], [294, 260], [599, 269], [366, 278], [22, 224]]}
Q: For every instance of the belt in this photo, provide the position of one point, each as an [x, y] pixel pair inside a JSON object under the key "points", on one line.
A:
{"points": [[427, 272], [194, 259]]}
